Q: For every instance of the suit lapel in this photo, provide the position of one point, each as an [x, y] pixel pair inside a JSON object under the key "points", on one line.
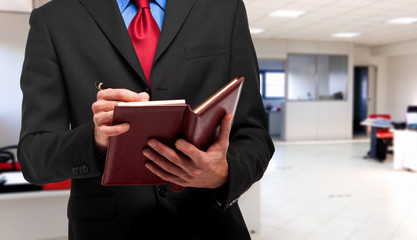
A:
{"points": [[107, 15], [175, 14]]}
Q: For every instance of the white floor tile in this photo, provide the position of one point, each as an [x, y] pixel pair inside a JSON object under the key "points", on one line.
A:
{"points": [[328, 191]]}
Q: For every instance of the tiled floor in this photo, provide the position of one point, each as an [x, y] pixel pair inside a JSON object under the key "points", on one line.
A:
{"points": [[327, 191]]}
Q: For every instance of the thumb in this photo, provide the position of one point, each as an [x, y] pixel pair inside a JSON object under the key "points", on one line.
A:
{"points": [[225, 127], [143, 97]]}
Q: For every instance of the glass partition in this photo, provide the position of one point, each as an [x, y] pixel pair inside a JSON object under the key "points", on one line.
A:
{"points": [[317, 77], [302, 77]]}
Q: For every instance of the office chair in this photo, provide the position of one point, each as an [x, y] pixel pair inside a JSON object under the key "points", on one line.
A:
{"points": [[8, 160], [381, 139]]}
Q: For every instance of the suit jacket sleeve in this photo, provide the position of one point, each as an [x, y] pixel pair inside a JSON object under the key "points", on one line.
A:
{"points": [[49, 151], [250, 146]]}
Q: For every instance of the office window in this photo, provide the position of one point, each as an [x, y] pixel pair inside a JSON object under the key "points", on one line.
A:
{"points": [[274, 85], [261, 84], [317, 77], [272, 79]]}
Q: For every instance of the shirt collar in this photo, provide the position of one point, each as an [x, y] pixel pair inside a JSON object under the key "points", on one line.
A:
{"points": [[161, 3], [124, 3]]}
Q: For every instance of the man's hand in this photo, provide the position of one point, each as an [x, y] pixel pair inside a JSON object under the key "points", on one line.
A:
{"points": [[188, 166], [103, 114]]}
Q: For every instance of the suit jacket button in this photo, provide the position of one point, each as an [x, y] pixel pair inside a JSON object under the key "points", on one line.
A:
{"points": [[85, 169], [162, 192]]}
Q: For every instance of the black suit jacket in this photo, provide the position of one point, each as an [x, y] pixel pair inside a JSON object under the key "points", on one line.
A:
{"points": [[203, 45]]}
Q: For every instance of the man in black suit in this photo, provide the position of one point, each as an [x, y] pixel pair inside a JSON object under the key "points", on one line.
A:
{"points": [[203, 44]]}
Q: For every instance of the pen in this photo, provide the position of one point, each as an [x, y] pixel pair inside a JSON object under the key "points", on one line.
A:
{"points": [[100, 86]]}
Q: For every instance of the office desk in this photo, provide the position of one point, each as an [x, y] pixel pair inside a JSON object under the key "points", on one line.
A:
{"points": [[377, 150], [405, 150], [274, 122], [34, 215]]}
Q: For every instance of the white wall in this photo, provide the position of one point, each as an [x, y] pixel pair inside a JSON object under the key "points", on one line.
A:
{"points": [[401, 85], [13, 34], [400, 88]]}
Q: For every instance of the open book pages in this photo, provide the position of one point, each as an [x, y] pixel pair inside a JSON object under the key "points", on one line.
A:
{"points": [[151, 103], [216, 95]]}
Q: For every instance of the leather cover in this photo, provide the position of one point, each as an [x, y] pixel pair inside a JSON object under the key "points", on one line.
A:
{"points": [[125, 163]]}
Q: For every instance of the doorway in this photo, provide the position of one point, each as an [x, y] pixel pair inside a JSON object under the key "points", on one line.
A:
{"points": [[364, 97]]}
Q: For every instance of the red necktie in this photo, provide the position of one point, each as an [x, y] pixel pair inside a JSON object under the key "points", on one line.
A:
{"points": [[144, 32]]}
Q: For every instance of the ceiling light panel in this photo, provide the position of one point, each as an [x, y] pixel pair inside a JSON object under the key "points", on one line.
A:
{"points": [[287, 13], [403, 20], [325, 17], [346, 35], [256, 30]]}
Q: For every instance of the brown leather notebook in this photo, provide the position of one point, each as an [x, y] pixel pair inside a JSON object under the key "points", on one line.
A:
{"points": [[166, 121]]}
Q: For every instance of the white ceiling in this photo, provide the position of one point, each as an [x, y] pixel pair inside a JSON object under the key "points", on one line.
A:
{"points": [[323, 18], [326, 17]]}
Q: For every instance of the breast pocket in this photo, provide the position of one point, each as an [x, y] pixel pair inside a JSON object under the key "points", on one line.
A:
{"points": [[205, 51]]}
